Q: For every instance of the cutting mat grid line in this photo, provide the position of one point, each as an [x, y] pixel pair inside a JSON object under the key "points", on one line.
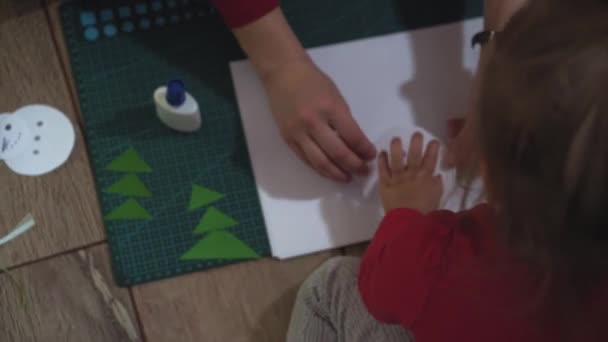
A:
{"points": [[116, 72]]}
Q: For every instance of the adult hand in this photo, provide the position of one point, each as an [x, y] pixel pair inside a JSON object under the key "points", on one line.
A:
{"points": [[316, 122], [308, 108]]}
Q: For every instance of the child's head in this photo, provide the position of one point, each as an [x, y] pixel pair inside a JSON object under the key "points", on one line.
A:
{"points": [[543, 129]]}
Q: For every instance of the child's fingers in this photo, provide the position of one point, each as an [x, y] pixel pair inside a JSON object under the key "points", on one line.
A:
{"points": [[414, 155], [383, 167], [396, 156], [431, 156]]}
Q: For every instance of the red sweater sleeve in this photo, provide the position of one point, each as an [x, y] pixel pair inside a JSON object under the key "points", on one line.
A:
{"points": [[238, 13], [401, 263]]}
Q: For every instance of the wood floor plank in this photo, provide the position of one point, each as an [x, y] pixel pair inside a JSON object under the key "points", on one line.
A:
{"points": [[63, 203], [247, 302], [54, 15], [67, 298]]}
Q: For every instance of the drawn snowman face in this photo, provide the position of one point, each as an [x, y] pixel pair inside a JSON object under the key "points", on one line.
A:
{"points": [[14, 136], [38, 140]]}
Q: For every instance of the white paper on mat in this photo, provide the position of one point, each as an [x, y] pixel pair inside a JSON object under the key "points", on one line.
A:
{"points": [[394, 84]]}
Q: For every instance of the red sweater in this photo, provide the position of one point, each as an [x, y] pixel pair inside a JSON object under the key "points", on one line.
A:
{"points": [[445, 277], [237, 13]]}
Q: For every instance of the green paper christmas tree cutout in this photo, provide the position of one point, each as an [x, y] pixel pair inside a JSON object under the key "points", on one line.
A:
{"points": [[217, 243], [130, 185], [202, 196], [129, 161], [220, 245], [214, 220], [129, 210]]}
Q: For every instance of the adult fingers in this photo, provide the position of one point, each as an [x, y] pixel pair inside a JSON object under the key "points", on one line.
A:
{"points": [[414, 155], [298, 151], [348, 129], [337, 151], [396, 156], [319, 161]]}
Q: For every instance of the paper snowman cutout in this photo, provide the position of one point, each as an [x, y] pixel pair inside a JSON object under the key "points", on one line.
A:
{"points": [[35, 140]]}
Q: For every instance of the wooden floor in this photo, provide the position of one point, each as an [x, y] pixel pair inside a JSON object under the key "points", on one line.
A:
{"points": [[59, 286]]}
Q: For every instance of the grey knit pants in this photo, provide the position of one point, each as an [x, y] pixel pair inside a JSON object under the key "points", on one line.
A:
{"points": [[329, 308]]}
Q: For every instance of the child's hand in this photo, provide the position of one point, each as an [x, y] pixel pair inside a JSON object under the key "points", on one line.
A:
{"points": [[414, 184]]}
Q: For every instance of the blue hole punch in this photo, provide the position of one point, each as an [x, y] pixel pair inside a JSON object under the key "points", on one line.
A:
{"points": [[106, 15], [176, 93], [110, 30], [87, 18], [91, 33]]}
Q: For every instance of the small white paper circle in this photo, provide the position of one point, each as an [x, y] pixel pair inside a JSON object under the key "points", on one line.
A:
{"points": [[52, 139]]}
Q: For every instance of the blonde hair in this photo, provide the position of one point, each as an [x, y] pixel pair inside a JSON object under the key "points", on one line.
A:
{"points": [[543, 131]]}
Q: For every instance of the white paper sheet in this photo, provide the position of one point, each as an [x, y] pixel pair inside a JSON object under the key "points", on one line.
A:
{"points": [[394, 84]]}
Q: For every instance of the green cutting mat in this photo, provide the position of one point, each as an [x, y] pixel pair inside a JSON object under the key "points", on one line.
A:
{"points": [[121, 51]]}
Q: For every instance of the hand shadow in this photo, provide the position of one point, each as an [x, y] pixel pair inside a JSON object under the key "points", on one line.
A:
{"points": [[440, 82], [441, 79]]}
